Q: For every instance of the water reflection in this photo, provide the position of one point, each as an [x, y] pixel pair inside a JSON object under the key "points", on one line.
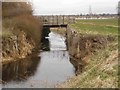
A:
{"points": [[20, 70], [45, 44], [57, 42], [50, 68]]}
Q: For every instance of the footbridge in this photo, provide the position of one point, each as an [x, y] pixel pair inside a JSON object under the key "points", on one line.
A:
{"points": [[54, 21]]}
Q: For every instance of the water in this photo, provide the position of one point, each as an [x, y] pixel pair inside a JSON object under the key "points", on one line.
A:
{"points": [[41, 71]]}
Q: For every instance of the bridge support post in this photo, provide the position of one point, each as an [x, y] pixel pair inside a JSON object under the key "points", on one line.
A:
{"points": [[53, 19]]}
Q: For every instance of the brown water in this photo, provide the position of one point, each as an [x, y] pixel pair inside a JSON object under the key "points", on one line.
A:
{"points": [[44, 70]]}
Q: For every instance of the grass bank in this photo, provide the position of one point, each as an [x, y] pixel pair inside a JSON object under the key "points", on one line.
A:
{"points": [[61, 31], [101, 70]]}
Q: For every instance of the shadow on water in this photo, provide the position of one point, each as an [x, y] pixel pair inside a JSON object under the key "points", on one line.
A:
{"points": [[21, 69], [45, 45], [77, 65], [45, 41]]}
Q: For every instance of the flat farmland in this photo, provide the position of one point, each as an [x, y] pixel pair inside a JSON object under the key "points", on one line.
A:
{"points": [[97, 26]]}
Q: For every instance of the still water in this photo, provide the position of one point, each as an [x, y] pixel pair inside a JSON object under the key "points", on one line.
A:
{"points": [[44, 70]]}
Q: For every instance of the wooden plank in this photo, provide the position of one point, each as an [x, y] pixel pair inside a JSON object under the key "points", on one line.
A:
{"points": [[56, 26]]}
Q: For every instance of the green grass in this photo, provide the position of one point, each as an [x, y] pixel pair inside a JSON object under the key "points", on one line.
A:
{"points": [[99, 26]]}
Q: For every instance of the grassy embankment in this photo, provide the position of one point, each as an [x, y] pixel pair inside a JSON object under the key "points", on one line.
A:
{"points": [[102, 69]]}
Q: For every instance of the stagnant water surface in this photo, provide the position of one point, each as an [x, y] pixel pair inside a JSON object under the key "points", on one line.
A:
{"points": [[41, 71]]}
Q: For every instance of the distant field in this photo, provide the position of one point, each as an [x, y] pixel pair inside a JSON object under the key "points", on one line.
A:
{"points": [[97, 26]]}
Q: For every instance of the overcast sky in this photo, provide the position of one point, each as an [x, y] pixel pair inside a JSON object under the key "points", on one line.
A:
{"points": [[52, 7]]}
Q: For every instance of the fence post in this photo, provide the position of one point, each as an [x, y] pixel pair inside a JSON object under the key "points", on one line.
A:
{"points": [[63, 19], [43, 19], [48, 20], [57, 19]]}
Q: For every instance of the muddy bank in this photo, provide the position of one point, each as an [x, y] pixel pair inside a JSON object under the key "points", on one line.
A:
{"points": [[82, 46]]}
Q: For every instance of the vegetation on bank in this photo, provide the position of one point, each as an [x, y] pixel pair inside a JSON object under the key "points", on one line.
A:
{"points": [[97, 26], [21, 31], [16, 17], [101, 70]]}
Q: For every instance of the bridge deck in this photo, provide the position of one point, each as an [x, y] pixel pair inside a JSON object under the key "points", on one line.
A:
{"points": [[55, 25], [55, 21]]}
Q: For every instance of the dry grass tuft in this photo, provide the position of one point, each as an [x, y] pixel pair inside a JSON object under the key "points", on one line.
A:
{"points": [[102, 71], [17, 16]]}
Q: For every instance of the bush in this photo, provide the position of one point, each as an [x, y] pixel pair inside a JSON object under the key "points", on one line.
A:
{"points": [[17, 16], [29, 25], [11, 9]]}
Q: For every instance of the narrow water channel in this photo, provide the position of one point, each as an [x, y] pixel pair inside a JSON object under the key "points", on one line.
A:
{"points": [[41, 71]]}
